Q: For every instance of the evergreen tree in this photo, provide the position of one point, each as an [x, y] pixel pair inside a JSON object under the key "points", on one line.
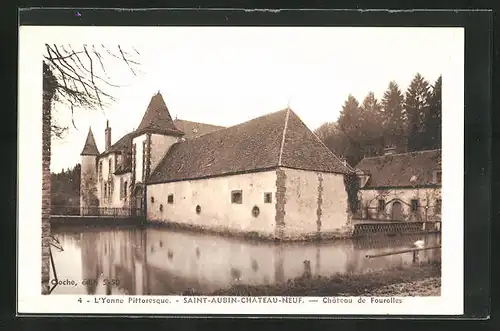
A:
{"points": [[350, 123], [371, 130], [433, 119], [393, 117], [417, 106]]}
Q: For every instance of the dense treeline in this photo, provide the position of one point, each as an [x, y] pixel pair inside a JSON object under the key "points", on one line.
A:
{"points": [[66, 187], [408, 122]]}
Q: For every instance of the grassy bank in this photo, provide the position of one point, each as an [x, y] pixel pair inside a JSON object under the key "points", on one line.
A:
{"points": [[418, 280]]}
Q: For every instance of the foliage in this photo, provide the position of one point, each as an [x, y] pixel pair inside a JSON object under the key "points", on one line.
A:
{"points": [[417, 108], [409, 122], [65, 190], [352, 186], [77, 77]]}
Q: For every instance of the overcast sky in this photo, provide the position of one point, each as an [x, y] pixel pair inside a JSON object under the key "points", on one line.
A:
{"points": [[226, 76]]}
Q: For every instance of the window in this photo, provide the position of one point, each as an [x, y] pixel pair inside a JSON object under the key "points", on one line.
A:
{"points": [[161, 207], [152, 199], [121, 188], [105, 190], [437, 207], [414, 204], [255, 211], [237, 197], [100, 169], [170, 198], [268, 197], [109, 166], [198, 209], [381, 205], [116, 161], [125, 190]]}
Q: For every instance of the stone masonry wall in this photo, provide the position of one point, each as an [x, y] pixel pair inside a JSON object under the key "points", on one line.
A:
{"points": [[280, 202]]}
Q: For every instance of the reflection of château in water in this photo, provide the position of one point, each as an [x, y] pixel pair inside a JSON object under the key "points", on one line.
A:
{"points": [[91, 262], [161, 262]]}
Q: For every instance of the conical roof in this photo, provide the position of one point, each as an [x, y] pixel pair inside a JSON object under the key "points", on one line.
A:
{"points": [[90, 147], [157, 118]]}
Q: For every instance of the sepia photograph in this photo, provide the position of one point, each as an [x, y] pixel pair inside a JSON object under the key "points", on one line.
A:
{"points": [[297, 164]]}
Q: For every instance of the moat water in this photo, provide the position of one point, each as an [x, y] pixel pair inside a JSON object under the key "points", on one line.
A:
{"points": [[161, 261]]}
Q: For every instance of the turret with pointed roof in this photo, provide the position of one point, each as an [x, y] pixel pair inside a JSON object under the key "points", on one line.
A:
{"points": [[157, 119], [90, 147]]}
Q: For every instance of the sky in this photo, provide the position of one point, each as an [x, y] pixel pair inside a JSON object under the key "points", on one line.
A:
{"points": [[228, 75]]}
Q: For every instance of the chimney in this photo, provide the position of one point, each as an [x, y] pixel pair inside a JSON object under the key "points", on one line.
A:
{"points": [[107, 135], [343, 160], [390, 150]]}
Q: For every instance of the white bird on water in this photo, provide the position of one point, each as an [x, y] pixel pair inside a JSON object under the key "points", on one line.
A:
{"points": [[419, 243]]}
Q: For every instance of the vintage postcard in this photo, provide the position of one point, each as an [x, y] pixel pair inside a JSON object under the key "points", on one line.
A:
{"points": [[240, 170]]}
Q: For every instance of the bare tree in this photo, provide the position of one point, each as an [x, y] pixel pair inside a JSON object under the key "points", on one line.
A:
{"points": [[76, 78]]}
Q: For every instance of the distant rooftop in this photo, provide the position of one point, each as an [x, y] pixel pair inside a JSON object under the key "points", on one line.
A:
{"points": [[401, 170], [195, 129]]}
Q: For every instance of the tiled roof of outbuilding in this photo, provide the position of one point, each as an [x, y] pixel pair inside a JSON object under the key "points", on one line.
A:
{"points": [[266, 142], [401, 170], [195, 129]]}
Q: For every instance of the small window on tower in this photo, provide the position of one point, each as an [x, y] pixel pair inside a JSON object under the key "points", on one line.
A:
{"points": [[237, 197], [170, 198], [268, 197]]}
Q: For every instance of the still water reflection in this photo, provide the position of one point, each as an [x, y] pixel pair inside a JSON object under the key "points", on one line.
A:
{"points": [[161, 262]]}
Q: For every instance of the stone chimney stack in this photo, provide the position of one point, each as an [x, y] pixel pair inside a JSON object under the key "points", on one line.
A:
{"points": [[343, 160], [107, 135]]}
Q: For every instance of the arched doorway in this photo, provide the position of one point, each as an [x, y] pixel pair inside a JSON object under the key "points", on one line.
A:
{"points": [[397, 211], [138, 198]]}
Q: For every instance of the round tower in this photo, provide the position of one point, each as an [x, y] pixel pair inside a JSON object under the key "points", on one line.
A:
{"points": [[89, 201]]}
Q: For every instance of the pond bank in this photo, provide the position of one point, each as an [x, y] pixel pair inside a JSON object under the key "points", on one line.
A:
{"points": [[418, 280]]}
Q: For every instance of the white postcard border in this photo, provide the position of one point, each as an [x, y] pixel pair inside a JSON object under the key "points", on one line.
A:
{"points": [[30, 299]]}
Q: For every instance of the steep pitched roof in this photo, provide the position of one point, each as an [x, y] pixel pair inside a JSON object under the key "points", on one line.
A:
{"points": [[266, 142], [195, 129], [90, 147], [302, 149], [123, 144], [157, 118], [401, 170]]}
